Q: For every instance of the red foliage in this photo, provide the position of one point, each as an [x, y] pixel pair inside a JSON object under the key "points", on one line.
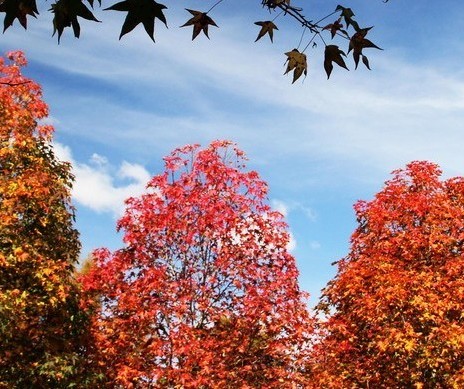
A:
{"points": [[396, 305], [205, 293]]}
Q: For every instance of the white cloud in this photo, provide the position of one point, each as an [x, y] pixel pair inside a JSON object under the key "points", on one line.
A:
{"points": [[98, 159], [285, 207], [279, 206], [381, 119], [291, 245], [95, 185]]}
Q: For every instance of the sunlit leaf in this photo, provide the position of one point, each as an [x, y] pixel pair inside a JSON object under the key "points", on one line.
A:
{"points": [[267, 27], [297, 63]]}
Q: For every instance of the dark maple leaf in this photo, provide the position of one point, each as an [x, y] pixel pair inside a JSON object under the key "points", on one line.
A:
{"points": [[358, 42], [200, 22], [333, 54], [366, 62], [296, 61], [347, 15], [334, 28], [140, 11], [272, 4], [66, 13], [267, 27], [18, 9]]}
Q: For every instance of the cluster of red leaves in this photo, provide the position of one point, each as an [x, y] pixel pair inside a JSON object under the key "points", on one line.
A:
{"points": [[39, 316], [205, 293], [396, 305]]}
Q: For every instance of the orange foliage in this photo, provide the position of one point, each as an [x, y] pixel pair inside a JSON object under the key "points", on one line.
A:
{"points": [[395, 308], [39, 315]]}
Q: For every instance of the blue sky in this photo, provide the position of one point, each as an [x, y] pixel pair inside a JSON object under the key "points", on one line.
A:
{"points": [[120, 106]]}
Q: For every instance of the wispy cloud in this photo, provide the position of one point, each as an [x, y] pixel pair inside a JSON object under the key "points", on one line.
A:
{"points": [[96, 185], [191, 91], [285, 207]]}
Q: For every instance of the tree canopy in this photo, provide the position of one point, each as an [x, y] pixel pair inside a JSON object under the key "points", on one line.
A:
{"points": [[339, 24], [205, 293], [395, 308], [42, 327]]}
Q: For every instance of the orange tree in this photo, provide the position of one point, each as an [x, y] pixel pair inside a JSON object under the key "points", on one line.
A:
{"points": [[395, 308], [205, 293], [40, 319]]}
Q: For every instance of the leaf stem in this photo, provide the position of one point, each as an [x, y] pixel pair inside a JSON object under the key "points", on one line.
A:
{"points": [[314, 36], [301, 37], [214, 5], [325, 17], [280, 13]]}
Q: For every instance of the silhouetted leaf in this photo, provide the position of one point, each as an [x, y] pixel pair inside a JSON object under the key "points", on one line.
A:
{"points": [[358, 42], [334, 27], [200, 22], [18, 9], [66, 13], [296, 61], [140, 11], [347, 15], [272, 4], [333, 54], [267, 27], [366, 62]]}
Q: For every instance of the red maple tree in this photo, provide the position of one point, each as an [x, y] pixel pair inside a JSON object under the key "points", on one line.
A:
{"points": [[395, 308], [205, 292]]}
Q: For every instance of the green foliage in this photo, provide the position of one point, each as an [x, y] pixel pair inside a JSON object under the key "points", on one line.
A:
{"points": [[42, 328]]}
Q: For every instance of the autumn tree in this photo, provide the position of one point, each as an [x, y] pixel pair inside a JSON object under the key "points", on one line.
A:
{"points": [[40, 321], [204, 294], [395, 308], [339, 23]]}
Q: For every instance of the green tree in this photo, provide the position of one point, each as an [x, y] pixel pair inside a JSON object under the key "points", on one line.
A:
{"points": [[41, 324], [395, 308]]}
